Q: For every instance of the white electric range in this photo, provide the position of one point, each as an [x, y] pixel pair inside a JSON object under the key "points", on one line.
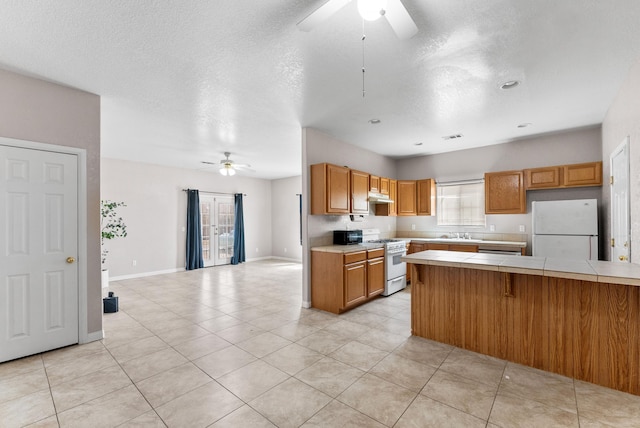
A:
{"points": [[395, 270]]}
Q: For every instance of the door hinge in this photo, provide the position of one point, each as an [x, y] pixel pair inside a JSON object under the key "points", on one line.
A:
{"points": [[613, 242], [611, 180]]}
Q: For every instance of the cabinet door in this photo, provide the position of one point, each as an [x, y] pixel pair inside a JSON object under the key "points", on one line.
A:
{"points": [[375, 276], [437, 246], [374, 183], [583, 174], [330, 189], [355, 283], [389, 209], [384, 186], [426, 197], [359, 192], [406, 204], [463, 247], [543, 178], [504, 193]]}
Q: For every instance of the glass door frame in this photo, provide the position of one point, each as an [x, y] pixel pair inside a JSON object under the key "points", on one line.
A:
{"points": [[217, 214]]}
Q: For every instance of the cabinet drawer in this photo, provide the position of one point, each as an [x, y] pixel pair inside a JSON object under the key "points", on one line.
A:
{"points": [[358, 256], [378, 252]]}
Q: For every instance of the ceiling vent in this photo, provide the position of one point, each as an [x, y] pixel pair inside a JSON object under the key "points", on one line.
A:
{"points": [[452, 137]]}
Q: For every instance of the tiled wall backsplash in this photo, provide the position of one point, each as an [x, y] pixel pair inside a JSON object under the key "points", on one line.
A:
{"points": [[511, 237]]}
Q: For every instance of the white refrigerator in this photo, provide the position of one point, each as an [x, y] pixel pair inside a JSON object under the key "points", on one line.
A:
{"points": [[565, 229]]}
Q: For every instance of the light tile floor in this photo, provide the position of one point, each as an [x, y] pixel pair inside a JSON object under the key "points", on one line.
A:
{"points": [[231, 347]]}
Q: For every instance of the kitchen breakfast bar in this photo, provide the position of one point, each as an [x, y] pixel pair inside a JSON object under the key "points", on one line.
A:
{"points": [[577, 318]]}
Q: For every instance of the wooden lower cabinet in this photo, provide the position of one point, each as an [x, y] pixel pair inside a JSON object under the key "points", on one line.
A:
{"points": [[375, 276], [580, 329], [414, 247], [355, 283], [342, 281]]}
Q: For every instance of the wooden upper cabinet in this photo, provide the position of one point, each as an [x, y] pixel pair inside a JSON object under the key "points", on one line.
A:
{"points": [[426, 197], [583, 174], [384, 185], [504, 193], [359, 192], [374, 183], [389, 209], [330, 189], [406, 198], [562, 176], [543, 178]]}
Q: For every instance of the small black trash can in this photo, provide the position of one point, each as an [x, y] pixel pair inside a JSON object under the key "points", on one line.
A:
{"points": [[110, 304]]}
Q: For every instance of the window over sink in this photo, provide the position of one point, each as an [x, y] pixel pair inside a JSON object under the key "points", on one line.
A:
{"points": [[460, 203]]}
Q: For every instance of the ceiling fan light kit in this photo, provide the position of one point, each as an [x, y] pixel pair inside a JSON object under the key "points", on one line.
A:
{"points": [[227, 170], [371, 10], [393, 10]]}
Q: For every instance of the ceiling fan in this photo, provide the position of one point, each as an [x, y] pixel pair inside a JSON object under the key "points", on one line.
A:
{"points": [[370, 10], [228, 167]]}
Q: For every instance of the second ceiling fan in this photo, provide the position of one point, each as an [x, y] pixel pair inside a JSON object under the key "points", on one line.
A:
{"points": [[370, 10]]}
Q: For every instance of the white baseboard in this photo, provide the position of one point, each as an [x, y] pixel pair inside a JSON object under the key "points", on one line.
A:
{"points": [[287, 259], [92, 337], [143, 274], [161, 272]]}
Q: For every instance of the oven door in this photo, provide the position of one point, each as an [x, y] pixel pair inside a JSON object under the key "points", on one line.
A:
{"points": [[396, 267]]}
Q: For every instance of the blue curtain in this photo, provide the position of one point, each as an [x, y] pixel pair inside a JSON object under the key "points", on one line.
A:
{"points": [[194, 231], [238, 232]]}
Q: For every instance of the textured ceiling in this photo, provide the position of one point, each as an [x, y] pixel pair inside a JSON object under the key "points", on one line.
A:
{"points": [[184, 81]]}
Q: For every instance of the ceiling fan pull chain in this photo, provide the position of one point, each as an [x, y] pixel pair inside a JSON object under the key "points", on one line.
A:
{"points": [[363, 70]]}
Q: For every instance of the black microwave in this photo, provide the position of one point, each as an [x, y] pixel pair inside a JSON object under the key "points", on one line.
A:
{"points": [[347, 237]]}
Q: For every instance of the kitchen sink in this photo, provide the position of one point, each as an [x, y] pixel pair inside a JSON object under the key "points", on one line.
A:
{"points": [[460, 240]]}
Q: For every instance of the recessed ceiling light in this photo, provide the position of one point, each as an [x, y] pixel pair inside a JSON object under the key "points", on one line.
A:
{"points": [[417, 144], [510, 84], [524, 125], [374, 121]]}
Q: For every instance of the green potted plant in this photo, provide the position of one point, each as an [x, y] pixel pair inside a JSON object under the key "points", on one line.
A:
{"points": [[111, 226]]}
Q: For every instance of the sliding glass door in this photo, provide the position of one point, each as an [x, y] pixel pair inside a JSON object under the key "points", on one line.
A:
{"points": [[217, 214]]}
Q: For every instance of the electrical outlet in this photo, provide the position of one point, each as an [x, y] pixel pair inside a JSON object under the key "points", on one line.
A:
{"points": [[413, 227], [492, 228], [257, 249], [134, 262], [285, 250], [523, 228]]}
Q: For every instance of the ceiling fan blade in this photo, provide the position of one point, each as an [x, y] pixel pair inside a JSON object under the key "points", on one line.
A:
{"points": [[209, 163], [400, 20], [321, 14]]}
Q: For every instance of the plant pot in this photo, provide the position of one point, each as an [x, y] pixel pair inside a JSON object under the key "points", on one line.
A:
{"points": [[105, 282]]}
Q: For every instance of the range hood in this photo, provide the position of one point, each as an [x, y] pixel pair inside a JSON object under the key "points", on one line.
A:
{"points": [[379, 198]]}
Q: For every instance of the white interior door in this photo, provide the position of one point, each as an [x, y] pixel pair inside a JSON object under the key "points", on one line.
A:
{"points": [[39, 245], [217, 214], [620, 225]]}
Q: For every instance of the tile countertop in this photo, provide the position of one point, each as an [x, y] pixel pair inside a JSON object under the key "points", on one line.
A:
{"points": [[585, 270], [344, 249], [478, 242]]}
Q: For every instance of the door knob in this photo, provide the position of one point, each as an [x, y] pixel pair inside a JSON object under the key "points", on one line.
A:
{"points": [[70, 260], [622, 258]]}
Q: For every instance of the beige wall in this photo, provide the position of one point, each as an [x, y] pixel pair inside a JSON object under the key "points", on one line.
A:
{"points": [[156, 214], [285, 218], [574, 146], [622, 120], [35, 110]]}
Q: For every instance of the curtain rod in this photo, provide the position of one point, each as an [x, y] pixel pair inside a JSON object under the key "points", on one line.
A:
{"points": [[213, 193]]}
